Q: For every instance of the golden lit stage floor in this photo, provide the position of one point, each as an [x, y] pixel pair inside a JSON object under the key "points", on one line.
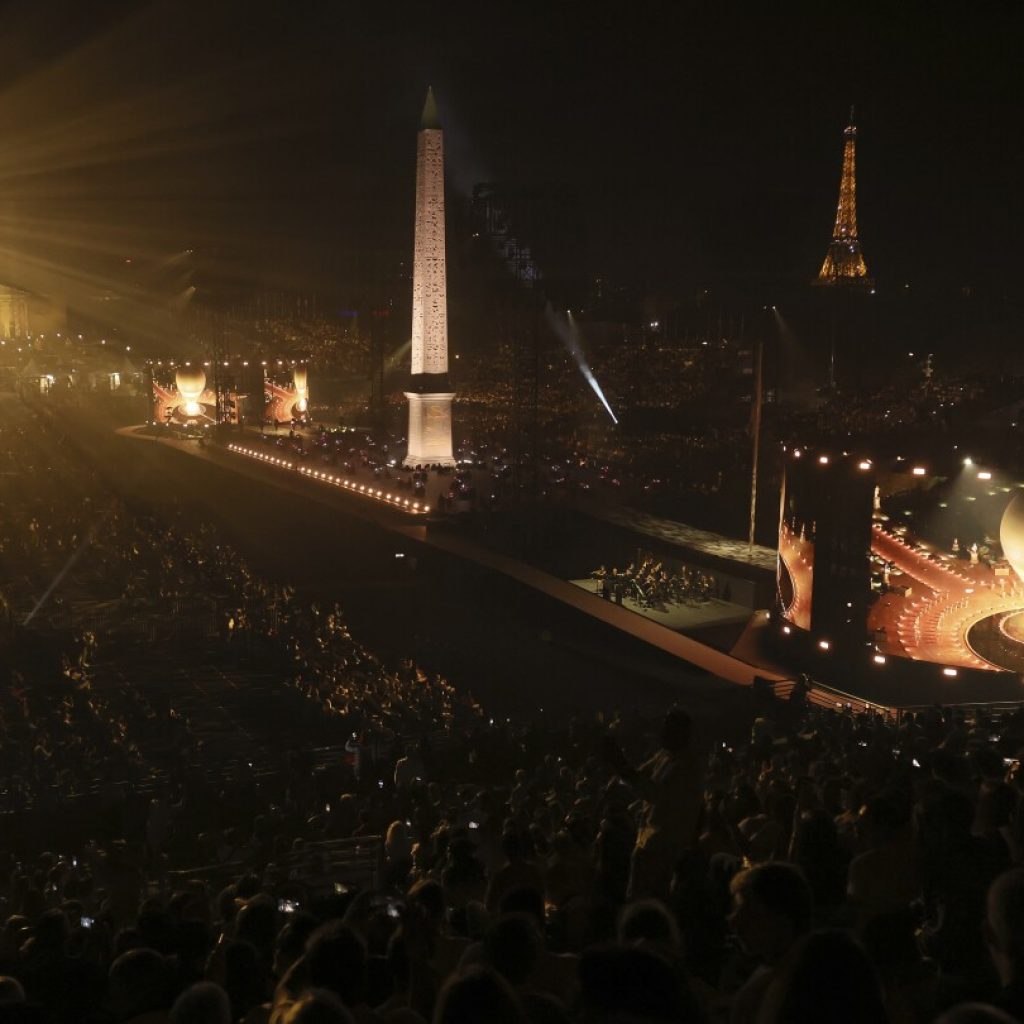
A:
{"points": [[1013, 627], [942, 617], [797, 555]]}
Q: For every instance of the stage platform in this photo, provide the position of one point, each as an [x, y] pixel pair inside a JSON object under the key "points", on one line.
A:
{"points": [[681, 618], [715, 545], [712, 659]]}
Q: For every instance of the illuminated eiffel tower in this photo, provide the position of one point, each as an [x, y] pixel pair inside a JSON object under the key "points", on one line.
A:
{"points": [[844, 262]]}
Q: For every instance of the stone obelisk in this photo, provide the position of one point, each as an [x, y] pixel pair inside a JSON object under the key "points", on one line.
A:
{"points": [[429, 394]]}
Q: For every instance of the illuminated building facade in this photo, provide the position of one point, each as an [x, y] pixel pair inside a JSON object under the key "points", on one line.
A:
{"points": [[13, 313], [844, 262], [429, 394], [28, 316]]}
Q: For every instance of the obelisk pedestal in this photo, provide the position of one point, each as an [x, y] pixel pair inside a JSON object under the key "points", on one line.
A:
{"points": [[430, 429]]}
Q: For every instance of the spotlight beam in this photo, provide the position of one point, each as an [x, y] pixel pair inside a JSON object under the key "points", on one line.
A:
{"points": [[68, 565], [569, 333]]}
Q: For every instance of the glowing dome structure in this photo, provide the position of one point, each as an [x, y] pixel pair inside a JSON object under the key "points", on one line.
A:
{"points": [[300, 379], [191, 384], [1011, 534]]}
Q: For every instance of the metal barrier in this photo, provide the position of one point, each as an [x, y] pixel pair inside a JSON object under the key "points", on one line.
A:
{"points": [[829, 697], [316, 866], [1000, 707], [356, 862]]}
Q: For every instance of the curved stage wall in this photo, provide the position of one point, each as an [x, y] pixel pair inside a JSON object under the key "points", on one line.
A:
{"points": [[902, 578]]}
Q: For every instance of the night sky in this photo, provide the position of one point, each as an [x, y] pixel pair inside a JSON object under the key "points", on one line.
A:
{"points": [[703, 141]]}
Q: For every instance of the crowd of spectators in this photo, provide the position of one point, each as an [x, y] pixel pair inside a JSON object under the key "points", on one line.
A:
{"points": [[94, 565], [827, 867], [329, 344], [792, 864], [929, 403]]}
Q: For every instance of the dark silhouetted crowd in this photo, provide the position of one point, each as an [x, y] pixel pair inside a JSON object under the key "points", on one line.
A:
{"points": [[791, 865]]}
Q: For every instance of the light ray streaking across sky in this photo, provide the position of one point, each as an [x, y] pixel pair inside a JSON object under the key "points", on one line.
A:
{"points": [[68, 565], [569, 333]]}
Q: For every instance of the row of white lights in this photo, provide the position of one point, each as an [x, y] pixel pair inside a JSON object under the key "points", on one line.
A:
{"points": [[395, 500], [983, 474], [391, 499], [245, 362], [878, 659], [262, 456]]}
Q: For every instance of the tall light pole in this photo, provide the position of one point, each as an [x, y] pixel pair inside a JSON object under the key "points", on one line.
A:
{"points": [[756, 413]]}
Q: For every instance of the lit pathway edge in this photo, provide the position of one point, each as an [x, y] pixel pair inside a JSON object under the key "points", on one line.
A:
{"points": [[396, 501]]}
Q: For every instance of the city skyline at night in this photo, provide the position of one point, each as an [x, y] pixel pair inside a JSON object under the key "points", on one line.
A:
{"points": [[275, 153]]}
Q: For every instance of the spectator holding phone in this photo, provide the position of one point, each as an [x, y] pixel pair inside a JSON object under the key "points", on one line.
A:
{"points": [[670, 786]]}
